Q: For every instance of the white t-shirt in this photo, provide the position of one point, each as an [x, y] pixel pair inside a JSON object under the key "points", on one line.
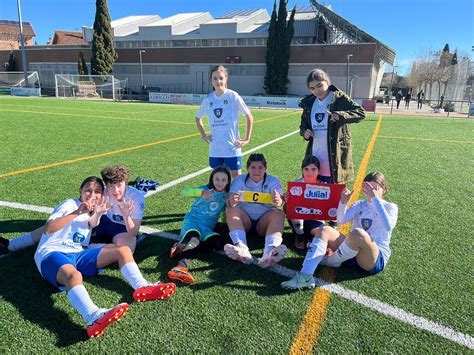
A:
{"points": [[70, 239], [268, 185], [319, 126], [138, 199], [377, 218], [223, 114]]}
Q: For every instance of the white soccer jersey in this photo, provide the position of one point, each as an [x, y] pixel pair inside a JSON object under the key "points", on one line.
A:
{"points": [[70, 239], [377, 218], [138, 199], [319, 126], [267, 185], [223, 115]]}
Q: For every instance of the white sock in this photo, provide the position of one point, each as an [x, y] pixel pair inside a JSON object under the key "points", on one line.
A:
{"points": [[315, 254], [298, 225], [342, 254], [132, 274], [238, 236], [81, 301], [26, 240], [271, 242]]}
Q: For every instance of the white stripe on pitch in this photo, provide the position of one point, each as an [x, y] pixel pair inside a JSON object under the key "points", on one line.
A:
{"points": [[202, 171], [381, 307], [22, 206]]}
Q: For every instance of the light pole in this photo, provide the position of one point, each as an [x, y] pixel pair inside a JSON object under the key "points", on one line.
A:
{"points": [[22, 41], [347, 83], [141, 66], [391, 87]]}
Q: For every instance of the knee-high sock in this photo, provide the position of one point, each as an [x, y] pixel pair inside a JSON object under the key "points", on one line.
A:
{"points": [[271, 242], [22, 242], [82, 302], [132, 274], [343, 253], [238, 236], [315, 254]]}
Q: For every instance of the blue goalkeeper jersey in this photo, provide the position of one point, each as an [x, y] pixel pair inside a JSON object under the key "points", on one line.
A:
{"points": [[204, 212]]}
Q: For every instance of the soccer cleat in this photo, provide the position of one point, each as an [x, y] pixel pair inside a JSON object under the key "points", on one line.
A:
{"points": [[154, 292], [274, 257], [299, 282], [181, 273], [106, 318], [4, 243], [176, 250], [239, 253]]}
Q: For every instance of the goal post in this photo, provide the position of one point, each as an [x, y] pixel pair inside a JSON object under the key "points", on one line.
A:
{"points": [[13, 83], [89, 87]]}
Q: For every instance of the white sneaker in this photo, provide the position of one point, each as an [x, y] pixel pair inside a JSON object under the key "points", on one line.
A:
{"points": [[240, 253], [273, 257]]}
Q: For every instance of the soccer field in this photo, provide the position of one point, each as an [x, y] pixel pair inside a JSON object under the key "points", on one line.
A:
{"points": [[421, 302]]}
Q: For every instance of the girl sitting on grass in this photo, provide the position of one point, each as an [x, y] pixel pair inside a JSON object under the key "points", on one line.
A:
{"points": [[197, 232], [62, 260], [367, 248], [305, 229]]}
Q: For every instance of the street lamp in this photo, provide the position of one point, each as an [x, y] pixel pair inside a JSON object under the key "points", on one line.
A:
{"points": [[141, 66], [347, 83], [391, 87]]}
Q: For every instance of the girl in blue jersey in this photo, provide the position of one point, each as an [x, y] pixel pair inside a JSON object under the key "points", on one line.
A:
{"points": [[222, 107], [62, 260], [197, 232], [367, 248], [265, 219]]}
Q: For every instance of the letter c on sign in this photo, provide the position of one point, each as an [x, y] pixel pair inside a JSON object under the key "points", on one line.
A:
{"points": [[255, 197]]}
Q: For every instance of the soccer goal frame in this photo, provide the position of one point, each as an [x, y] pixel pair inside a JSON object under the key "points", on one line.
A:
{"points": [[75, 86]]}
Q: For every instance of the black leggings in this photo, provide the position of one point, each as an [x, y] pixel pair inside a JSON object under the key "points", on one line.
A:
{"points": [[213, 243]]}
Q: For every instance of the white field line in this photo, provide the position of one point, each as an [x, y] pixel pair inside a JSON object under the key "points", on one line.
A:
{"points": [[378, 306], [202, 171]]}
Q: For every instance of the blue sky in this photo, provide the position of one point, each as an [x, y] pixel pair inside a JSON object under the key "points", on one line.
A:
{"points": [[410, 27]]}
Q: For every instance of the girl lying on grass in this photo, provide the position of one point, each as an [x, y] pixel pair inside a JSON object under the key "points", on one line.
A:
{"points": [[367, 248]]}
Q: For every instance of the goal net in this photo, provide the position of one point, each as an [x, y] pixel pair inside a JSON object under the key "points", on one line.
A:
{"points": [[89, 86], [13, 82]]}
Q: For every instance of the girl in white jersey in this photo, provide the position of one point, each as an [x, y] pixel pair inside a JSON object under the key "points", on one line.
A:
{"points": [[263, 218], [367, 248], [222, 107], [62, 260]]}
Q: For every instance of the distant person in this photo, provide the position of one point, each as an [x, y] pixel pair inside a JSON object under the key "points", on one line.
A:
{"points": [[222, 107], [398, 97], [420, 97], [407, 99], [441, 103]]}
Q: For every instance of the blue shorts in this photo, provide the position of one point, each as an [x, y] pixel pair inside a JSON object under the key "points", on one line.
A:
{"points": [[233, 163], [203, 231], [106, 231], [84, 261], [325, 179], [379, 265], [309, 225]]}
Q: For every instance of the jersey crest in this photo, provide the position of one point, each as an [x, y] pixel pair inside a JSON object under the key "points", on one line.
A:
{"points": [[366, 223], [319, 117], [78, 237], [218, 112], [117, 218]]}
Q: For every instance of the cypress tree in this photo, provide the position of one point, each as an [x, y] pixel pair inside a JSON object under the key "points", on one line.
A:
{"points": [[11, 65], [81, 65], [270, 55], [445, 58], [280, 35], [103, 53]]}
